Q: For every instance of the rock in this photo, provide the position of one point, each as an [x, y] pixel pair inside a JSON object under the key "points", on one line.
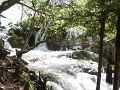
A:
{"points": [[2, 87], [1, 44], [4, 53], [83, 54]]}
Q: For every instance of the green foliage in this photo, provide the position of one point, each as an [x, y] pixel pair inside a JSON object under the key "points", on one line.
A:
{"points": [[16, 41], [54, 20], [27, 79], [92, 14], [18, 33], [86, 55]]}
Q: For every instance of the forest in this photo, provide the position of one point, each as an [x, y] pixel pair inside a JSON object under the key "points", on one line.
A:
{"points": [[60, 45]]}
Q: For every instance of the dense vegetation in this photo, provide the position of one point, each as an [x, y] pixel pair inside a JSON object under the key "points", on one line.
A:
{"points": [[100, 19]]}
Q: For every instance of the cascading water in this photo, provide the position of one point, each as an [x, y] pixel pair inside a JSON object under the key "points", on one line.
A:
{"points": [[4, 36], [40, 35], [73, 35], [64, 73]]}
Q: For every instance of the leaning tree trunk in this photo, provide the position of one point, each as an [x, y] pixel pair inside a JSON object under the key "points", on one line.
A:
{"points": [[117, 56], [102, 29], [30, 32]]}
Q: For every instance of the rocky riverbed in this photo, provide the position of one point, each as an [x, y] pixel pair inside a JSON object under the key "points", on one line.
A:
{"points": [[14, 75]]}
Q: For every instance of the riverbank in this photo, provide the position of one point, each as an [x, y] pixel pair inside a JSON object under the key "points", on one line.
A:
{"points": [[14, 75]]}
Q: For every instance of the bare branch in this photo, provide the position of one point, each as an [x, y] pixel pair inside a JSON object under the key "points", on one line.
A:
{"points": [[28, 7], [2, 16], [33, 8]]}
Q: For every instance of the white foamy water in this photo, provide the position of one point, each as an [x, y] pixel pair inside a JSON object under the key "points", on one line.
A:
{"points": [[4, 36], [64, 73]]}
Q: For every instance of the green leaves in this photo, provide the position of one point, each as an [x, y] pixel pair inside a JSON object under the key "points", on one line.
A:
{"points": [[55, 19]]}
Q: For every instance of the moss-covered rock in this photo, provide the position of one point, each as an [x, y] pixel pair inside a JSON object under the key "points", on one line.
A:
{"points": [[16, 42], [83, 54], [26, 78]]}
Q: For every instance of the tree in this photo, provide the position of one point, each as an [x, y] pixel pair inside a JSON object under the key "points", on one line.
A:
{"points": [[117, 58], [96, 13], [102, 30]]}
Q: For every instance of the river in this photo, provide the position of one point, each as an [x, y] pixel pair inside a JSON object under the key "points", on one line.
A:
{"points": [[63, 72]]}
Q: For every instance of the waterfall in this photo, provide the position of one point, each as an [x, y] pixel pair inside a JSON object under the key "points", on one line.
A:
{"points": [[40, 35], [41, 47], [64, 73], [4, 36], [7, 45], [73, 36]]}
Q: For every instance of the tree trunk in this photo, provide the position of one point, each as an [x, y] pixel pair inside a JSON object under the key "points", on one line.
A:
{"points": [[109, 74], [1, 44], [102, 29], [30, 32], [117, 57]]}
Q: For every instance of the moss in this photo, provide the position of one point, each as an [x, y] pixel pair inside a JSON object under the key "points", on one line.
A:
{"points": [[104, 62], [15, 41], [84, 55]]}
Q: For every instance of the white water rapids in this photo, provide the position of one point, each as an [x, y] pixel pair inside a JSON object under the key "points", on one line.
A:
{"points": [[64, 73]]}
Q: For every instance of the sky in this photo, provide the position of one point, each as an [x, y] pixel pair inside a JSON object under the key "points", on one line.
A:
{"points": [[13, 14]]}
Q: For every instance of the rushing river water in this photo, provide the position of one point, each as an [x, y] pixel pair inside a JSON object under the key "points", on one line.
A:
{"points": [[64, 73]]}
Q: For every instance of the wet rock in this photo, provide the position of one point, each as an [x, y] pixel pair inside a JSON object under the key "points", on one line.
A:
{"points": [[4, 53], [83, 54], [11, 69]]}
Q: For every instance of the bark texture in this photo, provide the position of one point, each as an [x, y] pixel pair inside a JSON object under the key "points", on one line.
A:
{"points": [[117, 56], [102, 29]]}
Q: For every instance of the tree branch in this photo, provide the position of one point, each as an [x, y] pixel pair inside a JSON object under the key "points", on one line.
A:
{"points": [[32, 8], [2, 16], [7, 4], [28, 7]]}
